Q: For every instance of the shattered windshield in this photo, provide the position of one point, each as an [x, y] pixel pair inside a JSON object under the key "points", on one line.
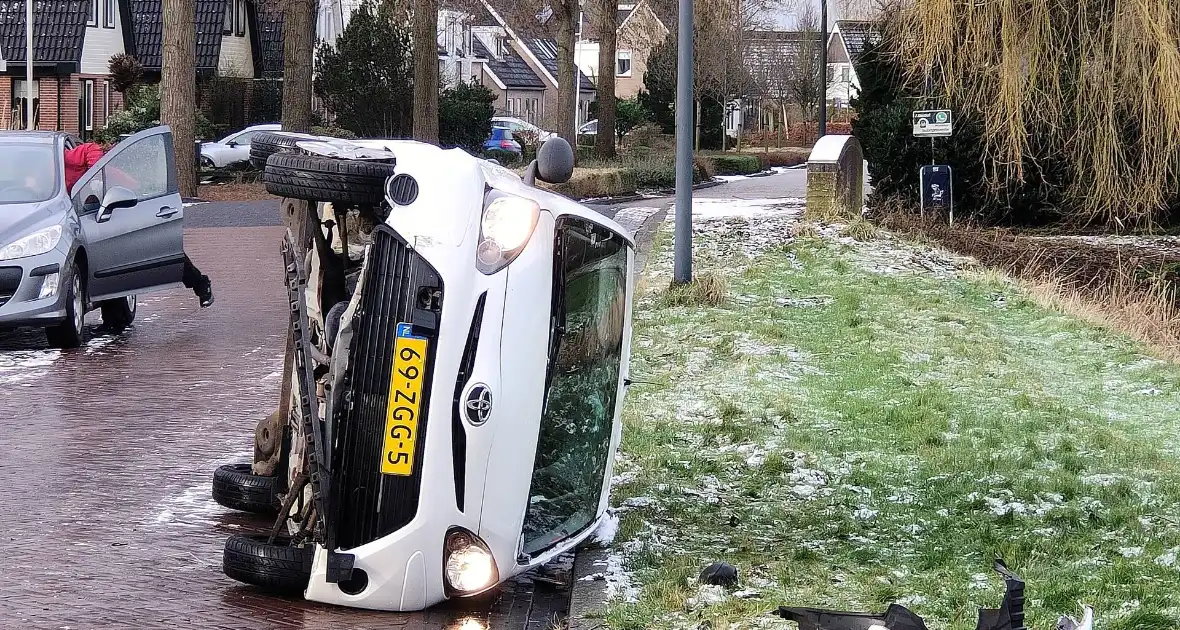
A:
{"points": [[578, 419], [28, 172]]}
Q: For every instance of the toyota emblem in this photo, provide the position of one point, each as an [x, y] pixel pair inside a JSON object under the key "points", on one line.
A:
{"points": [[478, 404]]}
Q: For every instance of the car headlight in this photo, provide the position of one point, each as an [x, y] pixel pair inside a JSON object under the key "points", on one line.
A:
{"points": [[468, 565], [39, 242], [507, 226]]}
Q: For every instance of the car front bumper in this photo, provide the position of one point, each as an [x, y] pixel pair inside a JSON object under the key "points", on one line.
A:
{"points": [[21, 281]]}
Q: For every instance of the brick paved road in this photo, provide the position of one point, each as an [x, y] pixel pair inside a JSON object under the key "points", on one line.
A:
{"points": [[106, 456]]}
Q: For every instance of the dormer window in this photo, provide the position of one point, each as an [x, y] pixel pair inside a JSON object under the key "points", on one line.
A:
{"points": [[501, 47], [227, 26]]}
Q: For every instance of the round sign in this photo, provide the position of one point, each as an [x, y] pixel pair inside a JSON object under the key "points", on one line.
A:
{"points": [[922, 123], [940, 117]]}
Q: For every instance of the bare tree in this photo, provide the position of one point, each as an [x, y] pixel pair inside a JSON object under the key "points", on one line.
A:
{"points": [[298, 52], [857, 9], [803, 76], [178, 89], [426, 71], [605, 17]]}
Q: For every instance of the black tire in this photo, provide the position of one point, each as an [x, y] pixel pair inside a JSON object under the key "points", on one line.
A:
{"points": [[330, 180], [71, 333], [118, 314], [236, 488], [277, 567], [267, 143]]}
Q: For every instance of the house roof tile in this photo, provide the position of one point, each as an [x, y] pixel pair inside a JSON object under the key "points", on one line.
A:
{"points": [[857, 35], [60, 29], [147, 28], [512, 71], [545, 50]]}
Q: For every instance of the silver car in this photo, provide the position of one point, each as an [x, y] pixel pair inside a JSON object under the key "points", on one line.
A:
{"points": [[118, 232]]}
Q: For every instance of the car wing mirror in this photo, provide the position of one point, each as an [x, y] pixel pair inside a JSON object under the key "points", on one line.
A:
{"points": [[554, 163], [117, 197]]}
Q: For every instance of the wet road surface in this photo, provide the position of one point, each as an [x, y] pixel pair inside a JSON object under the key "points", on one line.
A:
{"points": [[107, 453]]}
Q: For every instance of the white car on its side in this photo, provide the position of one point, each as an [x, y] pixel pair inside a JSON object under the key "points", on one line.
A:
{"points": [[232, 149], [518, 126], [462, 356]]}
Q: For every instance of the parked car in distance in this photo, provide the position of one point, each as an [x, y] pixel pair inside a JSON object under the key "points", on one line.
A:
{"points": [[516, 126], [63, 253], [502, 140], [232, 149]]}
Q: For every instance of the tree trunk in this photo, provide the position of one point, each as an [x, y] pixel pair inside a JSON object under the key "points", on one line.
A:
{"points": [[426, 71], [567, 72], [298, 52], [606, 23], [178, 88]]}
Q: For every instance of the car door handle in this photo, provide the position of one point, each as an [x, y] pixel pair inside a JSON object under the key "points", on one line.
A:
{"points": [[166, 212]]}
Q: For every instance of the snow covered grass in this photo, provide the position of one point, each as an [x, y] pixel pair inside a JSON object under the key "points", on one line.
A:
{"points": [[859, 422]]}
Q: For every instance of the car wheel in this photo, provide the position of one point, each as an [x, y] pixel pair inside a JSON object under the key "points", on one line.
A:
{"points": [[267, 143], [237, 488], [325, 179], [207, 163], [71, 332], [118, 314], [276, 567]]}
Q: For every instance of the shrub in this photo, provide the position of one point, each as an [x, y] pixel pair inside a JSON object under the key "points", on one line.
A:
{"points": [[141, 110], [366, 79], [735, 164], [629, 114], [781, 158], [333, 132], [465, 116]]}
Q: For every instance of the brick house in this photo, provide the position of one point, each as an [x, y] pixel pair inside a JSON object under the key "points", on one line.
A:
{"points": [[639, 30], [74, 41]]}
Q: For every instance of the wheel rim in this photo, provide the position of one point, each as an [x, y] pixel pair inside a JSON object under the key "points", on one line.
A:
{"points": [[79, 309], [131, 304]]}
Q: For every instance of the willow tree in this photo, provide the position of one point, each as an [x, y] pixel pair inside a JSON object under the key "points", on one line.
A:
{"points": [[1093, 83]]}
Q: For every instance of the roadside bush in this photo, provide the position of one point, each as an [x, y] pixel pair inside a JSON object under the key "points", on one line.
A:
{"points": [[735, 164], [333, 132], [465, 117], [505, 158], [141, 110], [781, 158], [126, 72]]}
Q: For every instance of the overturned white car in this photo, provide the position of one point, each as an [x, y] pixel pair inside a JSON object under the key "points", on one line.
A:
{"points": [[461, 343]]}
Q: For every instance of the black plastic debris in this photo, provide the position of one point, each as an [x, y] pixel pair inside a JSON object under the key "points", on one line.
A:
{"points": [[896, 617], [1009, 616], [720, 574]]}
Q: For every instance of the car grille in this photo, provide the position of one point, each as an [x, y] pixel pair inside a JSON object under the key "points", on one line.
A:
{"points": [[10, 278], [400, 286]]}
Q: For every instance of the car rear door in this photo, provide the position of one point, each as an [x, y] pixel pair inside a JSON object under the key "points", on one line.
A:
{"points": [[141, 247]]}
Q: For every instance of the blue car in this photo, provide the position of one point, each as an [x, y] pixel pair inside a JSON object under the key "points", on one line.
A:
{"points": [[501, 140]]}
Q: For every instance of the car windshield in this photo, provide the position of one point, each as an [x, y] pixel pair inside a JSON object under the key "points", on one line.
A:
{"points": [[28, 172], [578, 419]]}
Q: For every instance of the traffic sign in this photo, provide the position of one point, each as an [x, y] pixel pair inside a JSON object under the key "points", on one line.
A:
{"points": [[934, 123]]}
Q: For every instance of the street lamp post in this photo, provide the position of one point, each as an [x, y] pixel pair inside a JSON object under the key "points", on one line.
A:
{"points": [[823, 69], [29, 65], [682, 266]]}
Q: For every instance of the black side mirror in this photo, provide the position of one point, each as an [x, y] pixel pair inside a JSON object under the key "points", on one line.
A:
{"points": [[554, 163], [232, 144]]}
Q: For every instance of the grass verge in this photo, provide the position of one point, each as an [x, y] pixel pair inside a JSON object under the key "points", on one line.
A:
{"points": [[859, 423]]}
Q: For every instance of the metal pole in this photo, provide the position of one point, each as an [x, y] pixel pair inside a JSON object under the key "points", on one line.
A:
{"points": [[823, 69], [682, 269], [29, 64]]}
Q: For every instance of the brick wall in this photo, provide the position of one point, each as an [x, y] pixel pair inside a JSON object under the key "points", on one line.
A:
{"points": [[65, 90]]}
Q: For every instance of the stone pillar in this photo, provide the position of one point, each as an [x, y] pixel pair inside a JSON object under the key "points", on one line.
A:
{"points": [[835, 178]]}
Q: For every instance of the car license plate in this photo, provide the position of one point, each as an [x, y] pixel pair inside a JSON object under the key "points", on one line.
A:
{"points": [[405, 402]]}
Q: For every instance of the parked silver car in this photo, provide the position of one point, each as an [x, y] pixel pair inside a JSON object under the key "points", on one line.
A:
{"points": [[118, 232]]}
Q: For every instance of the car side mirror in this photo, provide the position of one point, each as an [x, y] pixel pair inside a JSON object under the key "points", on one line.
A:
{"points": [[117, 197], [233, 144], [554, 163]]}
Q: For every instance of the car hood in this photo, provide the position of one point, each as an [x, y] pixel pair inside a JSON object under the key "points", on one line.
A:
{"points": [[19, 219]]}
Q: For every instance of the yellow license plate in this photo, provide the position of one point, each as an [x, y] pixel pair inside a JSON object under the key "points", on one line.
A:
{"points": [[405, 402]]}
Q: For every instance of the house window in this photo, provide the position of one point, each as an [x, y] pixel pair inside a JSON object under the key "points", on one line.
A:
{"points": [[92, 19], [20, 104], [106, 103], [845, 73], [88, 104], [227, 27], [240, 18], [108, 13], [501, 47], [623, 68]]}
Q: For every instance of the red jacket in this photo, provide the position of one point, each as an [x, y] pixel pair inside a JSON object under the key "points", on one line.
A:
{"points": [[79, 160]]}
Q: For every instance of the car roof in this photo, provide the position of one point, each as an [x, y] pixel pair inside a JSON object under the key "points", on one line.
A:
{"points": [[37, 137]]}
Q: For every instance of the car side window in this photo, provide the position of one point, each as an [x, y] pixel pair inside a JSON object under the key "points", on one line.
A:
{"points": [[141, 167], [243, 140]]}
